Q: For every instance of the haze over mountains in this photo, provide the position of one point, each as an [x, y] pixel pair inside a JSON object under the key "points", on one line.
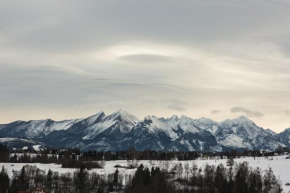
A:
{"points": [[121, 130]]}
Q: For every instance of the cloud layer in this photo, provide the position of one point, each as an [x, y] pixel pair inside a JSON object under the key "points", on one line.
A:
{"points": [[247, 112], [66, 59], [215, 112], [177, 106]]}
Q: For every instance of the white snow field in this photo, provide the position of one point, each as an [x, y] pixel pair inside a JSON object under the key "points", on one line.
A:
{"points": [[280, 166]]}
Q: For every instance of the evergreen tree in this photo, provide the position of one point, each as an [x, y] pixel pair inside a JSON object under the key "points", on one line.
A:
{"points": [[23, 181], [220, 179], [55, 181], [255, 182], [209, 178], [116, 179], [271, 184], [230, 163], [241, 178], [81, 179], [49, 180], [4, 180]]}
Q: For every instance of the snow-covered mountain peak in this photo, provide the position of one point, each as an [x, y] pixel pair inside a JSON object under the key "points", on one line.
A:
{"points": [[271, 132], [121, 111], [243, 127], [173, 117], [155, 125], [120, 129], [183, 117], [153, 121], [286, 131], [148, 119], [119, 122], [207, 124], [122, 115], [242, 120], [95, 118], [205, 120]]}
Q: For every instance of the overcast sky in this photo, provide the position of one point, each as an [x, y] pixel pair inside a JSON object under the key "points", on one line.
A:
{"points": [[216, 59]]}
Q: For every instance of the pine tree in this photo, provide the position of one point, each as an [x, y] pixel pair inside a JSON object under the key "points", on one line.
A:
{"points": [[23, 180], [4, 180], [230, 164], [220, 180], [81, 179], [241, 178], [255, 182], [49, 180], [271, 184], [116, 179]]}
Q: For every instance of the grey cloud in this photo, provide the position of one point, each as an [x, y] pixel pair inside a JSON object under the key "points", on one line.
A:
{"points": [[147, 58], [215, 112], [178, 106], [214, 54], [287, 112], [85, 26], [247, 112]]}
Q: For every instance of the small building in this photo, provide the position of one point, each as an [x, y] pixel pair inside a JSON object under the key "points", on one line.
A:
{"points": [[34, 190]]}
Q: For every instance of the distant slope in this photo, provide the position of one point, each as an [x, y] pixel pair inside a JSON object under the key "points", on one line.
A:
{"points": [[16, 143]]}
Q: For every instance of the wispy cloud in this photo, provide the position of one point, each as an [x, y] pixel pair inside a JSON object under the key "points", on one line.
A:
{"points": [[247, 112], [73, 55], [177, 106], [215, 112]]}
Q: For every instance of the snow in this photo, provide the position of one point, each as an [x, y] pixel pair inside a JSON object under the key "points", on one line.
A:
{"points": [[235, 141], [34, 128], [25, 148], [92, 119], [207, 124], [280, 166], [120, 116], [64, 125], [184, 123], [240, 132], [245, 123], [36, 147], [156, 125], [9, 139]]}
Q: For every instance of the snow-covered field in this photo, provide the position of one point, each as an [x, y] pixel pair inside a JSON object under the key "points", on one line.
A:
{"points": [[280, 166]]}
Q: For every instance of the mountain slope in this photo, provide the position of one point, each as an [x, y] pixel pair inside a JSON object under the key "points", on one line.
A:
{"points": [[121, 130], [284, 137], [16, 143], [35, 128], [188, 136], [244, 133]]}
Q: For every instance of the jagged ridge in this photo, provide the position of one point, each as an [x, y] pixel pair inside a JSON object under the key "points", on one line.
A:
{"points": [[121, 130]]}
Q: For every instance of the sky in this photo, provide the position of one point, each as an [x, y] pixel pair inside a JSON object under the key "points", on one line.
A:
{"points": [[200, 58]]}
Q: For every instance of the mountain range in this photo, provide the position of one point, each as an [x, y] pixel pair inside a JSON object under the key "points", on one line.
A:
{"points": [[121, 130]]}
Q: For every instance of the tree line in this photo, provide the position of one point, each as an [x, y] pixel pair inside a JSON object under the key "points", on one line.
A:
{"points": [[80, 181], [163, 177], [233, 178], [59, 156]]}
